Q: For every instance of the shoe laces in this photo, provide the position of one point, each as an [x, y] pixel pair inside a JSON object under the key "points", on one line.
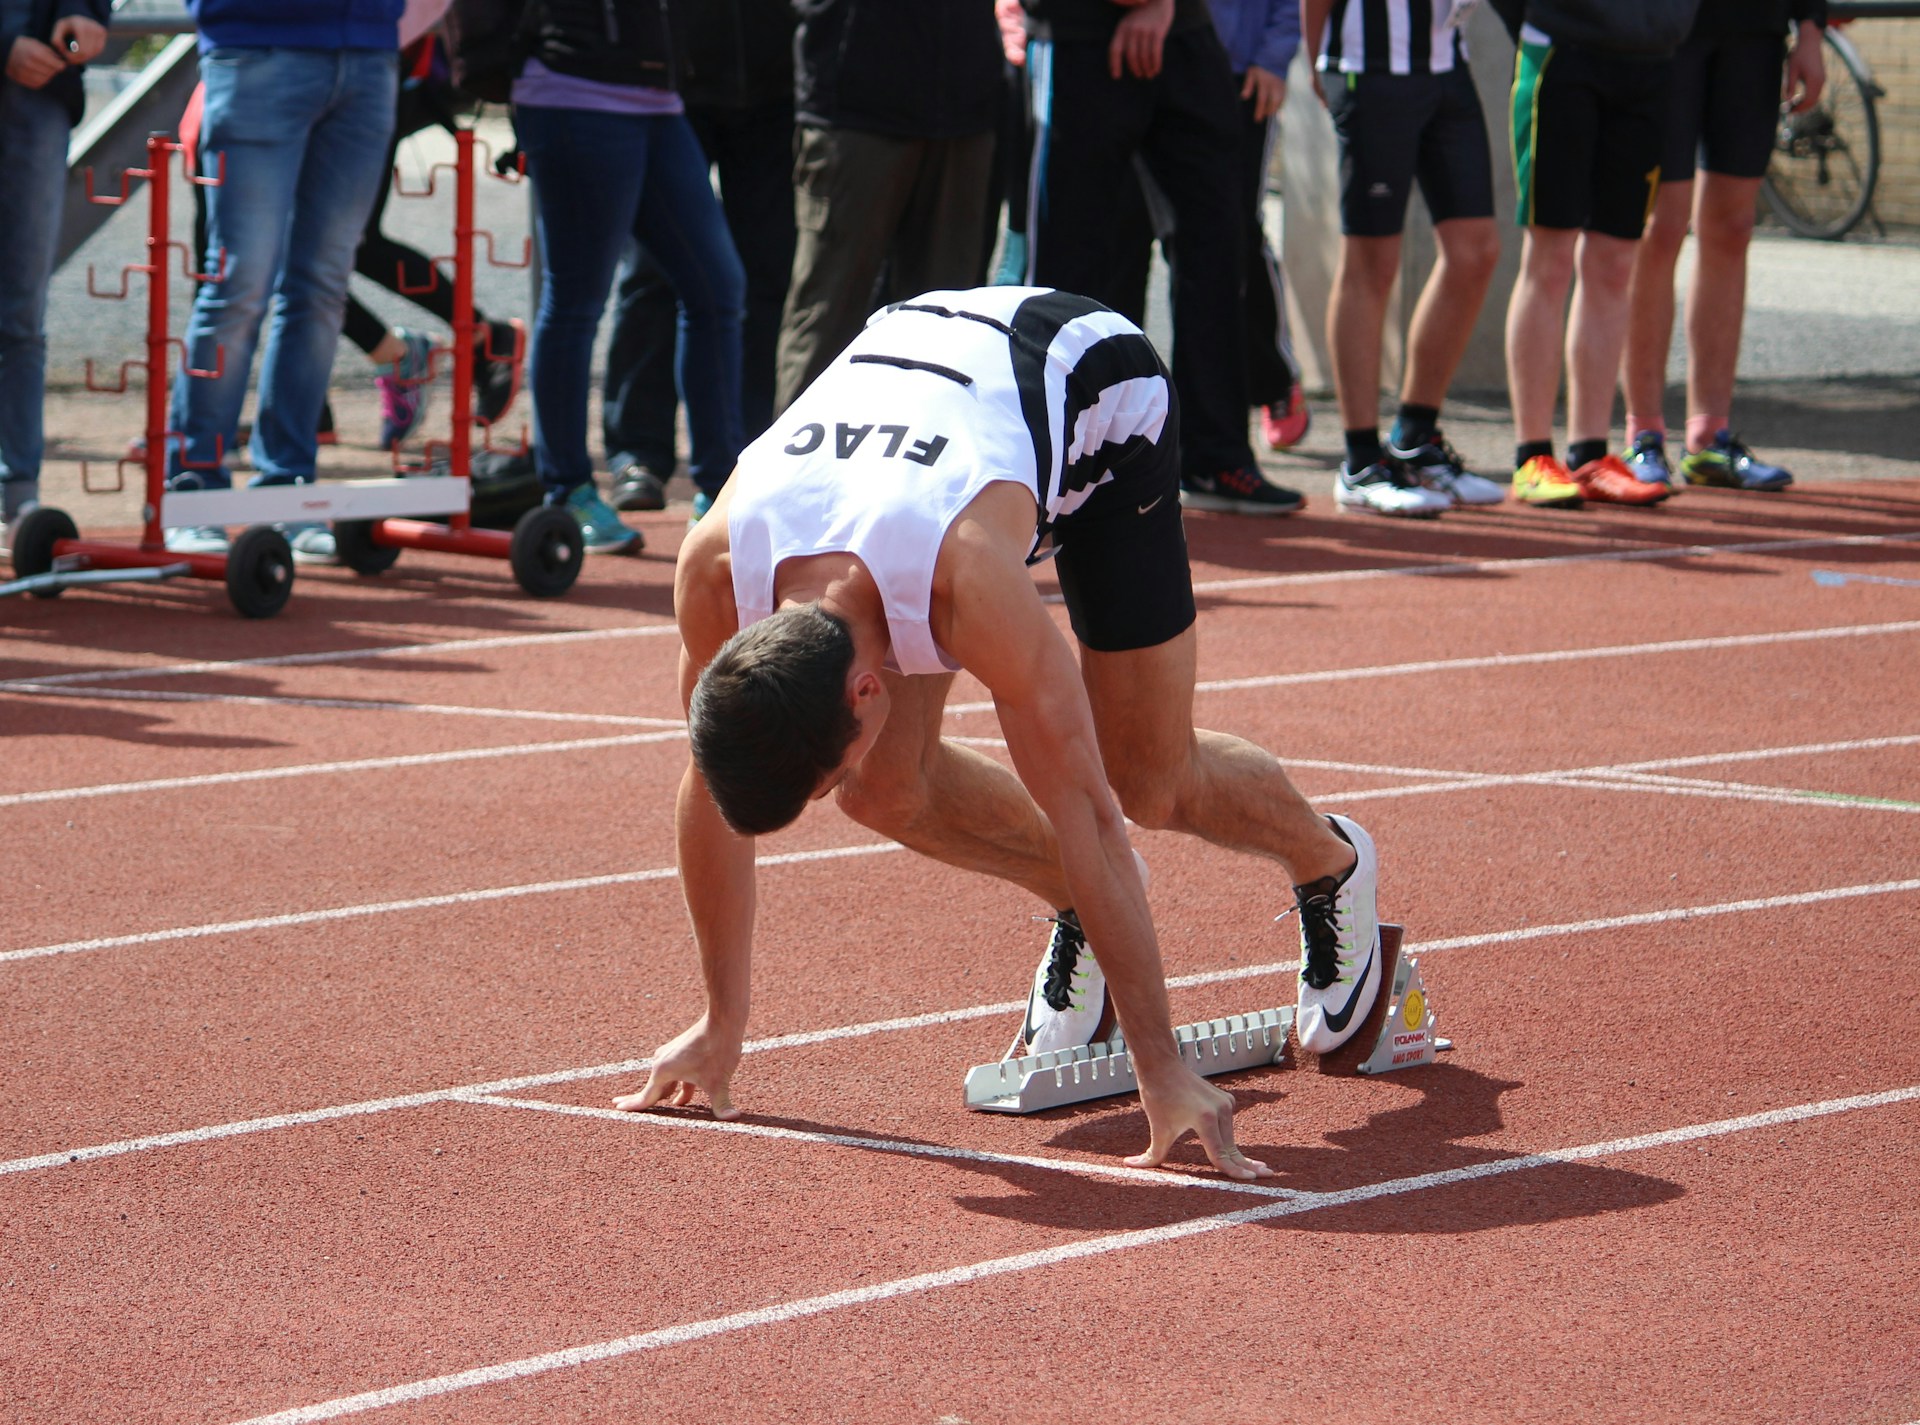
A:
{"points": [[1063, 955], [1241, 480], [1317, 905]]}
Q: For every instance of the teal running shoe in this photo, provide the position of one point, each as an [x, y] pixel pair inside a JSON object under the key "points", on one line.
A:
{"points": [[601, 531]]}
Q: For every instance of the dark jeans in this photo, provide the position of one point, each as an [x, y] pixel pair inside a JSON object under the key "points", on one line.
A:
{"points": [[1185, 126], [753, 149], [601, 180], [1271, 367]]}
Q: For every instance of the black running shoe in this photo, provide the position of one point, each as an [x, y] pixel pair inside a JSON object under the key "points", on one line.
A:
{"points": [[1242, 490]]}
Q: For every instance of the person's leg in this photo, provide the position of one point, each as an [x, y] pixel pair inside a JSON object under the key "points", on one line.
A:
{"points": [[948, 801], [639, 402], [587, 171], [1189, 149], [1717, 300], [680, 223], [33, 153], [261, 105], [1272, 371], [1536, 330], [754, 150], [1443, 318], [1363, 275], [341, 172], [1650, 308], [937, 245], [849, 191], [1596, 333]]}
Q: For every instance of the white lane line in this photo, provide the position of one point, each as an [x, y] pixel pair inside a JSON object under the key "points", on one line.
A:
{"points": [[809, 1038], [1520, 660], [1154, 1177], [1592, 778], [316, 769], [492, 893], [1637, 554], [801, 1308], [156, 695], [675, 732], [1330, 576], [445, 647]]}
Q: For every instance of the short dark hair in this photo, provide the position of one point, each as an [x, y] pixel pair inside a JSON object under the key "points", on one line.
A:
{"points": [[769, 716]]}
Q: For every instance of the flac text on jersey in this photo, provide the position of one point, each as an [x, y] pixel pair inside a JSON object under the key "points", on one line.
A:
{"points": [[848, 439]]}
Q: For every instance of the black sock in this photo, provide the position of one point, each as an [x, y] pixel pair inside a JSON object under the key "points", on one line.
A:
{"points": [[1415, 425], [1585, 452], [1363, 449], [1526, 450]]}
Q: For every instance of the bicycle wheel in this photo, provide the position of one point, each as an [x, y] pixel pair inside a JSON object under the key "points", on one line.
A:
{"points": [[1827, 160]]}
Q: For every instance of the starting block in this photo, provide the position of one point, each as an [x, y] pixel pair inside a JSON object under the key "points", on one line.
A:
{"points": [[1397, 1034], [1063, 1076]]}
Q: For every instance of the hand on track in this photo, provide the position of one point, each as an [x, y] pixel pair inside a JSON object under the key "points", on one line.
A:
{"points": [[1179, 1101], [700, 1060]]}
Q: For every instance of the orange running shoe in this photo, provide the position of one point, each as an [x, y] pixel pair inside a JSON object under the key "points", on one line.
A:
{"points": [[1545, 481], [1608, 481]]}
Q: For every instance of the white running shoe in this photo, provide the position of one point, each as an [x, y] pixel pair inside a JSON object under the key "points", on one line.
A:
{"points": [[1068, 1005], [1438, 466], [1340, 969], [1386, 488]]}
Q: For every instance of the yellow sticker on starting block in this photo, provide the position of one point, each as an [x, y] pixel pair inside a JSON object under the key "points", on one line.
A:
{"points": [[1414, 1009]]}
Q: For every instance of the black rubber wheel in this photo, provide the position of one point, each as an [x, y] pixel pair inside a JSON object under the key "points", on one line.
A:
{"points": [[34, 536], [353, 541], [260, 572], [546, 551]]}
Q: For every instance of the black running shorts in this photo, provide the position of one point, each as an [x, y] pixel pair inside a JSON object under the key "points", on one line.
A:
{"points": [[1724, 105], [1122, 559], [1396, 128], [1588, 131]]}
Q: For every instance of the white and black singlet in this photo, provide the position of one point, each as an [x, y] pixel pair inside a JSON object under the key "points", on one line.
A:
{"points": [[938, 398]]}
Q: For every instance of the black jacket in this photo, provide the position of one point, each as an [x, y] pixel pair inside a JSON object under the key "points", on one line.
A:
{"points": [[927, 69], [1649, 28], [64, 87], [611, 41], [734, 54], [1097, 19]]}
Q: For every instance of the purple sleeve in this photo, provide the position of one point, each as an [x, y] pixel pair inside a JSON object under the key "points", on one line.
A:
{"points": [[1279, 37]]}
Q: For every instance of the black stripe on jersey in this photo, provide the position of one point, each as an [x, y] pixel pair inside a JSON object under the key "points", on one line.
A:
{"points": [[912, 363], [1107, 363], [1036, 322], [1336, 23], [1419, 36], [1377, 36]]}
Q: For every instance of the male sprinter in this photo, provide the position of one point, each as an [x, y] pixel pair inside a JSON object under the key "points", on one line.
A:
{"points": [[874, 542]]}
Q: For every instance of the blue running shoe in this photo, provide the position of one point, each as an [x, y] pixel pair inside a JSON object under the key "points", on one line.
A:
{"points": [[403, 390], [702, 502], [601, 531], [1647, 459], [1731, 466]]}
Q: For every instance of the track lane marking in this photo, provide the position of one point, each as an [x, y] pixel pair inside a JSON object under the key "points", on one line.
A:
{"points": [[1583, 777], [1329, 576], [677, 731], [264, 700], [808, 1038], [803, 1307]]}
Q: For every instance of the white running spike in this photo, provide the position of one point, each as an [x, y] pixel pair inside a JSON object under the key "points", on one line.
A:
{"points": [[1100, 1070]]}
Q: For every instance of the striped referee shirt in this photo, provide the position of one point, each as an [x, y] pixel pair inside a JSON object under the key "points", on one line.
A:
{"points": [[1395, 36]]}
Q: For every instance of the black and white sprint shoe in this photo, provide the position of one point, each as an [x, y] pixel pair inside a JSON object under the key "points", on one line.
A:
{"points": [[1340, 968], [1068, 1006]]}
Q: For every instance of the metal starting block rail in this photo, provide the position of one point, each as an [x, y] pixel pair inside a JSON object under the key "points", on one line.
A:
{"points": [[1399, 1028], [1062, 1076]]}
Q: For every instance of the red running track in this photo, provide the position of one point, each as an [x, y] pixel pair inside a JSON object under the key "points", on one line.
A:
{"points": [[329, 940]]}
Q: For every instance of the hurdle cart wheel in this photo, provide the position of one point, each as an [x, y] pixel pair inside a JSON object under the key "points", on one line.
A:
{"points": [[353, 541], [260, 572], [33, 540], [547, 550]]}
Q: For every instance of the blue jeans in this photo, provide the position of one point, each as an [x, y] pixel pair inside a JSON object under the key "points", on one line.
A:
{"points": [[33, 156], [600, 179], [753, 150], [305, 137]]}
